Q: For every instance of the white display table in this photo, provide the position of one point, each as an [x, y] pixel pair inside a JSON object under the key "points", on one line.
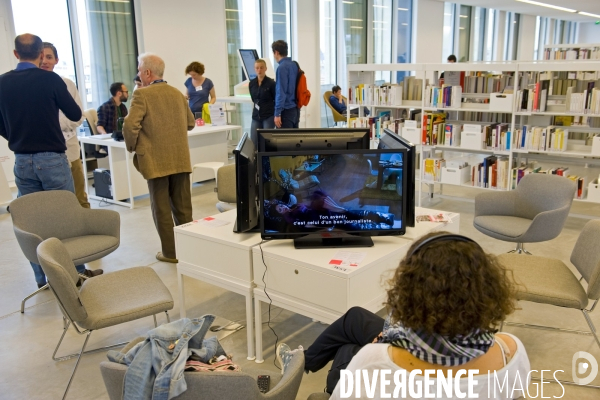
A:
{"points": [[217, 255], [304, 281], [207, 143]]}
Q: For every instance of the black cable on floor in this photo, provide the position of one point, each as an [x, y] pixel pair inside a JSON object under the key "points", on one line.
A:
{"points": [[262, 255]]}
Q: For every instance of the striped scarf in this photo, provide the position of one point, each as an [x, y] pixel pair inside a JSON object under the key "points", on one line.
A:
{"points": [[437, 349]]}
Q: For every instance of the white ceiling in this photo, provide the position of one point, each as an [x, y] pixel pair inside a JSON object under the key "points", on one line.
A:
{"points": [[590, 6]]}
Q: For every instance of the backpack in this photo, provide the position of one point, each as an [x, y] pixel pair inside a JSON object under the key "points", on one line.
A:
{"points": [[302, 92]]}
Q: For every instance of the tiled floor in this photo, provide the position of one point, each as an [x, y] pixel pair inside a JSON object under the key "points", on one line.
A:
{"points": [[28, 372]]}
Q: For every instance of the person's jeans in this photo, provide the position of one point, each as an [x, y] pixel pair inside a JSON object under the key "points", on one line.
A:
{"points": [[290, 118], [267, 123], [341, 341], [39, 172]]}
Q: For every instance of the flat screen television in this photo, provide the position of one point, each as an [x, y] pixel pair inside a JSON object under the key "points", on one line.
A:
{"points": [[270, 140], [332, 198], [246, 185], [391, 140]]}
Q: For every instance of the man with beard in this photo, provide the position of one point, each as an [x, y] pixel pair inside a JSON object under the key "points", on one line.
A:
{"points": [[110, 112]]}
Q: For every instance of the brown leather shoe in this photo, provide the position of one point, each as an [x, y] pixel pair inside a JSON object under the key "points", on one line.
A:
{"points": [[160, 257]]}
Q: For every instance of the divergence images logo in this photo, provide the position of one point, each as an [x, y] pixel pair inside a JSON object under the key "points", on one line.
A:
{"points": [[582, 367]]}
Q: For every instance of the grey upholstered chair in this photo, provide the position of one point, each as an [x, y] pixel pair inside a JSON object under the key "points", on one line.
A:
{"points": [[550, 281], [226, 188], [87, 234], [534, 212], [104, 301], [217, 385], [319, 396]]}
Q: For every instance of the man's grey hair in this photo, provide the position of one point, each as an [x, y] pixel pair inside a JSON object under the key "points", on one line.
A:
{"points": [[152, 62]]}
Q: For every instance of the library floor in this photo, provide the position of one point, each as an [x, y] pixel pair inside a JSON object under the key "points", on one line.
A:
{"points": [[28, 372]]}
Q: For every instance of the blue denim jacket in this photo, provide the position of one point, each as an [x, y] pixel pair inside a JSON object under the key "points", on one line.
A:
{"points": [[156, 365]]}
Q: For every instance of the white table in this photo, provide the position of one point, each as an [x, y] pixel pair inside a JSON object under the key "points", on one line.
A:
{"points": [[217, 255], [207, 143], [304, 282]]}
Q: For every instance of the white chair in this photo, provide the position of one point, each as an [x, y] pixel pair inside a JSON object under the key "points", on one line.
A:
{"points": [[212, 166]]}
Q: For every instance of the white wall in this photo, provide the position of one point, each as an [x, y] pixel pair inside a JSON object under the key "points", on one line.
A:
{"points": [[7, 62], [428, 31], [183, 31], [306, 51], [526, 43], [589, 32]]}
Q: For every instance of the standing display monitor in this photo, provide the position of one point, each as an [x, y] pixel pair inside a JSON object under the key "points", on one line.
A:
{"points": [[245, 185], [270, 140], [391, 140], [248, 57], [332, 198]]}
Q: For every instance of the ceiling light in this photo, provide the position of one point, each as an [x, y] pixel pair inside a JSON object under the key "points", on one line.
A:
{"points": [[356, 27], [464, 16], [377, 5], [353, 19], [348, 2], [588, 14], [403, 9], [405, 24], [537, 3]]}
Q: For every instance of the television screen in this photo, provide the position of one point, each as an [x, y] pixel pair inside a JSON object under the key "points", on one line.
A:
{"points": [[312, 139], [391, 140], [245, 185], [248, 58], [358, 192]]}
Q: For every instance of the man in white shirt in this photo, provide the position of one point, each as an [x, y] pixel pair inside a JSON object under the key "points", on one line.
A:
{"points": [[69, 128]]}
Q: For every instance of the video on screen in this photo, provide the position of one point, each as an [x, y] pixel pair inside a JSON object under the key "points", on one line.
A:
{"points": [[340, 192]]}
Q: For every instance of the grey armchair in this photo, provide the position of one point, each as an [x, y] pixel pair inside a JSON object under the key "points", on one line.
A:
{"points": [[217, 385], [550, 281], [87, 234], [107, 300], [535, 211], [226, 193], [319, 396]]}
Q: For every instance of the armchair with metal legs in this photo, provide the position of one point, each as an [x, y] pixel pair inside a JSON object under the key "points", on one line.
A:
{"points": [[550, 281], [87, 234], [535, 211], [104, 301]]}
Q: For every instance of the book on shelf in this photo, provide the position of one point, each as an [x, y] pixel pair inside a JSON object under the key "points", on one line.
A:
{"points": [[443, 97], [432, 128], [576, 53], [432, 169], [538, 138], [410, 89]]}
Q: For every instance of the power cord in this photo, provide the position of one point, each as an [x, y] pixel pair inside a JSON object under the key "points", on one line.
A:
{"points": [[262, 255]]}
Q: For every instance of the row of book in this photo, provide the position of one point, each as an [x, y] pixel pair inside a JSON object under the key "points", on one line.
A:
{"points": [[551, 138], [410, 89], [536, 98], [572, 54], [442, 97], [481, 82], [491, 173], [377, 125], [520, 172]]}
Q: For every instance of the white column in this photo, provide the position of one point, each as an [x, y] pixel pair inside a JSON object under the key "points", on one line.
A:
{"points": [[428, 28], [526, 44], [184, 31], [306, 50], [500, 36], [7, 62]]}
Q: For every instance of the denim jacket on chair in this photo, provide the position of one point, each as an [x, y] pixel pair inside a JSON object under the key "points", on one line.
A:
{"points": [[156, 364]]}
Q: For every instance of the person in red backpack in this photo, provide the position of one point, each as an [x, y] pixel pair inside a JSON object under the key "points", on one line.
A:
{"points": [[286, 109]]}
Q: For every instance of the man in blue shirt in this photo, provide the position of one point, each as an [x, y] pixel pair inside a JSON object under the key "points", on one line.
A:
{"points": [[286, 111], [338, 102]]}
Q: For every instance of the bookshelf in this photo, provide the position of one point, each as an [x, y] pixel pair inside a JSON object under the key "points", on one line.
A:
{"points": [[493, 107], [586, 51]]}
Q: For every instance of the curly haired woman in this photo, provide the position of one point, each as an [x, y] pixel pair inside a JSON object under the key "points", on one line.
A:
{"points": [[445, 302]]}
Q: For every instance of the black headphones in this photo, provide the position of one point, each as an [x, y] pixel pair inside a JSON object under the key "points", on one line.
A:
{"points": [[438, 238]]}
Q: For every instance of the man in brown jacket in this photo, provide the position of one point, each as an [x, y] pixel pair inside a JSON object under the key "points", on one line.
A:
{"points": [[156, 129]]}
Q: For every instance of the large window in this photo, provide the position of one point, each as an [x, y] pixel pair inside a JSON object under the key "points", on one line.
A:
{"points": [[511, 42], [328, 52], [448, 30], [278, 24], [48, 19], [103, 34], [464, 34], [242, 18], [382, 37]]}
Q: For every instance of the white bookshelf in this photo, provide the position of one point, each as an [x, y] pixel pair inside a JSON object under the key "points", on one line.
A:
{"points": [[579, 155], [571, 52]]}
